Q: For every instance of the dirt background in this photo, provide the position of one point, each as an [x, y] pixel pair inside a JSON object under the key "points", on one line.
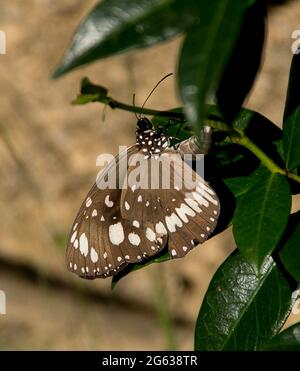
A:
{"points": [[48, 150]]}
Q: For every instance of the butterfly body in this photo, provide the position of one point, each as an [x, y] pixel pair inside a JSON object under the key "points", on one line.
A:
{"points": [[151, 142], [128, 224]]}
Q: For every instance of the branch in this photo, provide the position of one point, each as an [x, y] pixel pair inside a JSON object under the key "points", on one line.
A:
{"points": [[100, 95]]}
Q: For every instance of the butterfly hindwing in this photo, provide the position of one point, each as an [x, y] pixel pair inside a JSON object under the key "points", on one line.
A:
{"points": [[186, 210]]}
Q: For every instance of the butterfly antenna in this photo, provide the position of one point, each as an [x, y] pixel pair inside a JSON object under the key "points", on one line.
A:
{"points": [[160, 81], [133, 103]]}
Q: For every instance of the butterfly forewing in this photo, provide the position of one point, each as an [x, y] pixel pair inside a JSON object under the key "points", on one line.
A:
{"points": [[101, 242]]}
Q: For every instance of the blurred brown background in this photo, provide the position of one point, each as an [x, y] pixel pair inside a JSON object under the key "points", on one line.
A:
{"points": [[48, 150]]}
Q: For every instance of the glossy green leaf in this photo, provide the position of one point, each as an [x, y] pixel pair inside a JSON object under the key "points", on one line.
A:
{"points": [[240, 185], [291, 140], [160, 258], [261, 217], [288, 339], [242, 310], [116, 26], [205, 52], [290, 252]]}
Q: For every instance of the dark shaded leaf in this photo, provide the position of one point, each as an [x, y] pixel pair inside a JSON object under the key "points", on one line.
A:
{"points": [[242, 310], [293, 92], [290, 251], [116, 26], [90, 92], [288, 339], [244, 63], [291, 140], [240, 185], [261, 217], [206, 50]]}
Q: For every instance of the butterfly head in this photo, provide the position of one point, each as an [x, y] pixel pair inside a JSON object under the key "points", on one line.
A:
{"points": [[144, 124], [151, 142]]}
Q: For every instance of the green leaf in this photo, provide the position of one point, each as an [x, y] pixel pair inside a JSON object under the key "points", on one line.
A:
{"points": [[90, 92], [160, 258], [116, 26], [242, 310], [240, 185], [291, 140], [244, 63], [288, 339], [205, 52], [290, 252], [261, 217]]}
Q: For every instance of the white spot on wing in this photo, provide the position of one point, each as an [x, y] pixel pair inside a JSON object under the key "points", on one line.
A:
{"points": [[184, 210], [73, 236], [94, 213], [83, 244], [150, 234], [140, 198], [172, 221], [127, 206], [173, 252], [116, 233], [134, 239], [94, 255], [200, 199], [75, 244], [136, 224], [160, 228], [88, 202], [193, 204], [108, 203], [207, 189], [207, 195]]}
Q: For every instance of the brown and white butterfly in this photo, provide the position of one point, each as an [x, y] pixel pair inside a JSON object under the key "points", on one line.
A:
{"points": [[130, 223]]}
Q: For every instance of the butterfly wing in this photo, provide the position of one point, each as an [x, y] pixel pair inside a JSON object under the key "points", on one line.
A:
{"points": [[101, 242], [185, 210]]}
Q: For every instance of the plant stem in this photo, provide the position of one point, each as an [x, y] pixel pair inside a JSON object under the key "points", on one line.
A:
{"points": [[252, 147], [242, 139], [218, 125], [146, 111], [294, 177], [246, 142]]}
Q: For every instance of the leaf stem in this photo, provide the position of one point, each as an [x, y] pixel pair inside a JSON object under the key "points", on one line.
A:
{"points": [[246, 142], [146, 111]]}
